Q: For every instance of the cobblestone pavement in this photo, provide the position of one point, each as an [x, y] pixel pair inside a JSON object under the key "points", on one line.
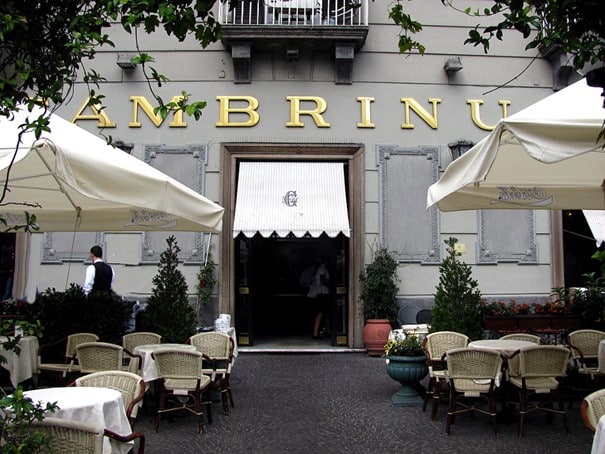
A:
{"points": [[341, 403]]}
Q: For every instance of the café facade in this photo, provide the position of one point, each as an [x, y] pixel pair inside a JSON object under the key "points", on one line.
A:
{"points": [[319, 139]]}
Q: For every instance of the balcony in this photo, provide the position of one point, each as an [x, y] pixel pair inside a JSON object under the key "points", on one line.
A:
{"points": [[289, 26]]}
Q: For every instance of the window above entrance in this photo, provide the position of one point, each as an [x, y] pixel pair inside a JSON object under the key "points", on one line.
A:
{"points": [[296, 198]]}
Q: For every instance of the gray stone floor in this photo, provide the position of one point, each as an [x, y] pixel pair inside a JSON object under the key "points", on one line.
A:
{"points": [[341, 403]]}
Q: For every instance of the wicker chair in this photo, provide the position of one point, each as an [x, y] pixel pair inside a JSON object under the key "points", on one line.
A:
{"points": [[472, 374], [132, 340], [537, 382], [66, 369], [181, 381], [99, 356], [592, 408], [435, 345], [73, 437], [523, 337], [218, 348], [584, 345], [130, 385]]}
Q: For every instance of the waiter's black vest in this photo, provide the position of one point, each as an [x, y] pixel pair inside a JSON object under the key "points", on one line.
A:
{"points": [[103, 275]]}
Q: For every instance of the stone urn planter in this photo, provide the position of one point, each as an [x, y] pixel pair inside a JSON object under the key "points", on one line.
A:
{"points": [[408, 371]]}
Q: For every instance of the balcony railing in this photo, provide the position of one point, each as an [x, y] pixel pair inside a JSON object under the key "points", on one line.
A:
{"points": [[295, 13]]}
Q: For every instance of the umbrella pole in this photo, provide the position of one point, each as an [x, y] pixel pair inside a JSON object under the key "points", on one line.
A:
{"points": [[73, 241]]}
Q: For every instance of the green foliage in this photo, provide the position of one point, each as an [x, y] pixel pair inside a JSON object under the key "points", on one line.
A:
{"points": [[206, 281], [458, 299], [589, 301], [379, 287], [408, 345], [576, 26], [168, 312], [15, 436], [45, 45], [63, 313]]}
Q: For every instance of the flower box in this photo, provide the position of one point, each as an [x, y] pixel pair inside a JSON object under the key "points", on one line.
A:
{"points": [[497, 323]]}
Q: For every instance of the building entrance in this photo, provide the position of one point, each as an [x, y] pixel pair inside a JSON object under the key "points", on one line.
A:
{"points": [[272, 302]]}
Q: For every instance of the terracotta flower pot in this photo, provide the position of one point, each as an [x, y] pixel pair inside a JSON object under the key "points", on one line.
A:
{"points": [[375, 336]]}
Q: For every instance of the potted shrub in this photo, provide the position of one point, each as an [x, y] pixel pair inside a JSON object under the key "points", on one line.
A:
{"points": [[206, 281], [406, 363], [458, 299], [168, 311], [378, 291]]}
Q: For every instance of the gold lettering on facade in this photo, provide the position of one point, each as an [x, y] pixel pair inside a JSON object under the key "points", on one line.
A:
{"points": [[226, 108], [411, 103], [316, 113], [98, 115], [366, 115], [157, 120], [476, 114]]}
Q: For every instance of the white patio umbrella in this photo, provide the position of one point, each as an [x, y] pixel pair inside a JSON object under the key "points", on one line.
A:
{"points": [[73, 181], [543, 157]]}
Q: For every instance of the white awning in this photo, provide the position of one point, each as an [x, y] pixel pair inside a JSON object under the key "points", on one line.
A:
{"points": [[596, 222], [291, 197]]}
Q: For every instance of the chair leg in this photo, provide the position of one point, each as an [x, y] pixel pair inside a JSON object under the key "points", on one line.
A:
{"points": [[522, 411], [562, 409], [430, 392], [158, 414]]}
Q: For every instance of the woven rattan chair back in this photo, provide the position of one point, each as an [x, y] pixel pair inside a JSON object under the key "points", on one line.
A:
{"points": [[131, 386], [73, 340], [132, 340], [441, 341], [215, 345], [99, 356], [593, 407], [523, 337], [70, 437], [543, 361], [473, 364], [585, 342], [178, 364]]}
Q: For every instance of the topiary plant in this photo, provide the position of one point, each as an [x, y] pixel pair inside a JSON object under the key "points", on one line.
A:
{"points": [[168, 312], [379, 287], [458, 299]]}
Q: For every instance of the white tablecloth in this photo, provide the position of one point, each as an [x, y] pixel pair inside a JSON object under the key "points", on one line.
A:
{"points": [[149, 371], [23, 366], [504, 346], [598, 442], [99, 407]]}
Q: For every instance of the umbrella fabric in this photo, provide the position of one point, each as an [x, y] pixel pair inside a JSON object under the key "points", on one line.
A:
{"points": [[72, 180], [543, 157]]}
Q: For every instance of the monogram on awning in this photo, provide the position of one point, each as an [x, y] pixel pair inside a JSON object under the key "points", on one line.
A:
{"points": [[296, 198]]}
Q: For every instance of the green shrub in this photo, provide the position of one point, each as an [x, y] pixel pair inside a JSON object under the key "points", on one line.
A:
{"points": [[379, 287], [68, 312], [458, 299], [168, 311]]}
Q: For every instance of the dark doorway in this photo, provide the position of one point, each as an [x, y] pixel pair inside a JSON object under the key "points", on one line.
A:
{"points": [[7, 265], [579, 245], [271, 302]]}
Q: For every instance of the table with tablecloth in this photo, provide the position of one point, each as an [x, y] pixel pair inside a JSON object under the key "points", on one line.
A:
{"points": [[102, 408], [23, 366]]}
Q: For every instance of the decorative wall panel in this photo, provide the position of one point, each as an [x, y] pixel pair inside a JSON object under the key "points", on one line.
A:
{"points": [[507, 236], [407, 229]]}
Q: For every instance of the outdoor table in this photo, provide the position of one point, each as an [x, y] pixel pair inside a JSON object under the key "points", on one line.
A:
{"points": [[23, 366], [100, 407], [149, 371]]}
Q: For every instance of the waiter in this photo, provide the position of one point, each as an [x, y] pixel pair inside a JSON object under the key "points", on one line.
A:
{"points": [[99, 275]]}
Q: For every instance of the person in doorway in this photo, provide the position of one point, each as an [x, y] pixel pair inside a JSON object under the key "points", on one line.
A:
{"points": [[99, 275], [322, 301]]}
